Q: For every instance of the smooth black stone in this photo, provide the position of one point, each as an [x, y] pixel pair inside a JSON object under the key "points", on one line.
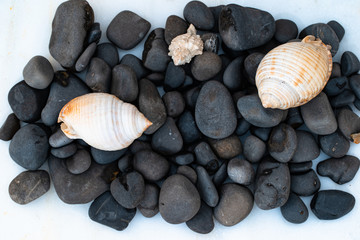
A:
{"points": [[98, 77], [128, 190], [27, 102], [206, 187], [151, 165], [167, 139], [155, 54], [188, 172], [138, 145], [348, 122], [242, 28], [205, 66], [349, 63], [253, 149], [156, 78], [79, 188], [282, 143], [251, 64], [203, 221], [151, 196], [285, 30], [94, 34], [354, 82], [174, 27], [28, 186], [72, 21], [332, 204], [301, 167], [148, 213], [188, 128], [319, 116], [335, 86], [174, 77], [241, 171], [108, 52], [228, 212], [198, 14], [307, 148], [216, 13], [106, 157], [220, 175], [226, 148], [188, 83], [345, 98], [252, 110], [30, 147], [85, 57], [204, 154], [130, 23], [242, 127], [151, 105], [125, 163], [9, 127], [272, 187], [294, 210], [338, 29], [340, 170], [233, 78], [59, 139], [305, 184], [174, 103], [65, 151], [294, 118], [191, 96], [262, 133], [336, 70], [107, 211], [183, 158], [215, 113], [124, 83], [225, 61], [79, 162], [136, 65], [65, 88], [179, 200], [325, 33], [211, 42], [334, 145], [38, 72]]}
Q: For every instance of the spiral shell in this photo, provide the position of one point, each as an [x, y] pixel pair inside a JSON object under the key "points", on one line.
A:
{"points": [[293, 73], [103, 121], [186, 46]]}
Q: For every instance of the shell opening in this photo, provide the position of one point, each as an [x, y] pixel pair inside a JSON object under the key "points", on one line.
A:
{"points": [[68, 131]]}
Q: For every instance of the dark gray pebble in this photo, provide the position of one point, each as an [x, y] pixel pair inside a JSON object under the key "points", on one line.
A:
{"points": [[109, 53], [79, 162], [191, 96], [336, 70], [156, 77], [124, 83], [151, 165], [187, 127], [282, 143], [148, 213], [205, 66], [98, 77], [151, 196], [138, 145], [38, 72], [204, 154], [294, 118], [334, 145], [174, 27], [251, 64], [345, 98], [285, 30], [307, 148], [335, 86], [203, 221], [211, 42], [125, 163], [174, 77], [85, 57], [233, 78], [206, 187], [254, 149], [262, 133], [338, 29], [349, 63], [188, 172], [241, 171], [301, 167], [305, 184], [94, 34], [64, 151], [9, 127], [59, 139], [198, 14], [348, 122], [136, 65], [242, 127], [226, 148], [183, 158], [105, 157], [174, 103], [220, 175], [294, 210]]}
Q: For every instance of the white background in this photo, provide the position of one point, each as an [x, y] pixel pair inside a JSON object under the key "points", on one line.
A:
{"points": [[25, 32]]}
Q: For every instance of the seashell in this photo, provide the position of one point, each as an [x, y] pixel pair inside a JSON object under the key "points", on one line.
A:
{"points": [[293, 73], [103, 121], [186, 46], [355, 137]]}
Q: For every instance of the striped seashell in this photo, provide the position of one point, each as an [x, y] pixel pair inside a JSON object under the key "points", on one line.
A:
{"points": [[103, 121], [293, 73]]}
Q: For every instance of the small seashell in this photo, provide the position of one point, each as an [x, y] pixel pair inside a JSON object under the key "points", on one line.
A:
{"points": [[184, 47], [293, 73], [103, 121]]}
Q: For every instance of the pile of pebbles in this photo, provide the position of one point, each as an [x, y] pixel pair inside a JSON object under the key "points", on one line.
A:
{"points": [[213, 150]]}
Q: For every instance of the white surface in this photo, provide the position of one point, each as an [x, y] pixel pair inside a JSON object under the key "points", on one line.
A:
{"points": [[25, 32]]}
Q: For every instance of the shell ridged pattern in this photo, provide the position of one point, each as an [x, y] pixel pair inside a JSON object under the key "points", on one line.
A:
{"points": [[293, 73], [103, 121]]}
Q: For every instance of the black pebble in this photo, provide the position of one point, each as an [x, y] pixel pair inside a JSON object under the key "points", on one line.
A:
{"points": [[305, 184], [335, 86], [38, 72], [203, 221], [262, 133], [79, 162], [254, 149], [9, 127], [64, 151], [242, 127], [85, 57], [94, 34], [345, 98], [349, 122], [183, 158], [285, 30], [174, 103], [191, 96], [349, 63], [59, 139], [334, 145], [336, 70], [125, 163], [98, 77], [294, 210], [174, 27], [205, 66], [108, 52], [151, 165], [206, 187], [282, 143], [251, 64], [354, 83], [188, 172], [124, 83], [174, 77], [233, 78], [151, 196], [188, 128], [307, 148], [135, 64], [220, 175], [302, 167], [138, 145], [339, 30], [204, 154], [105, 157], [241, 171], [198, 14], [294, 118]]}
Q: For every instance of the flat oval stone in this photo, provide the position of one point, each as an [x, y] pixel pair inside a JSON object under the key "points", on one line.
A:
{"points": [[232, 195], [64, 151], [233, 78], [282, 143], [9, 127], [187, 127], [272, 187], [241, 171], [254, 149], [339, 30], [252, 110], [151, 165], [203, 221], [301, 167], [242, 28], [305, 184], [79, 162], [335, 144], [206, 187], [59, 139], [107, 211], [124, 83], [319, 122], [27, 102], [205, 66], [349, 63], [285, 30], [174, 27], [344, 99], [108, 52], [307, 148], [226, 148], [130, 23], [85, 57], [106, 157], [98, 77], [128, 190], [215, 114], [28, 186], [38, 72], [332, 204], [340, 170], [187, 172], [294, 210], [135, 64], [179, 200], [174, 103], [348, 122], [30, 147], [198, 14], [71, 22], [151, 196]]}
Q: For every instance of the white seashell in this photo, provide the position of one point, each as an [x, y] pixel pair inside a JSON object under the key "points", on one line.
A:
{"points": [[293, 73], [103, 121], [184, 47]]}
